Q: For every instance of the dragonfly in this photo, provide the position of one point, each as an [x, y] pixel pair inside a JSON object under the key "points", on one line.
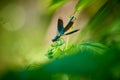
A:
{"points": [[62, 30]]}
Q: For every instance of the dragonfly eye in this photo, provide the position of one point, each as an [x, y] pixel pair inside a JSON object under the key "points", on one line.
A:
{"points": [[53, 40]]}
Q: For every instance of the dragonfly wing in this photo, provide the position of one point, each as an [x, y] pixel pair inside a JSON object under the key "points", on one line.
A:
{"points": [[60, 26], [69, 25], [72, 32]]}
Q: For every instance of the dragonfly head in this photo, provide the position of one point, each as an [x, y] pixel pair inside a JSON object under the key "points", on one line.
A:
{"points": [[56, 38], [53, 40]]}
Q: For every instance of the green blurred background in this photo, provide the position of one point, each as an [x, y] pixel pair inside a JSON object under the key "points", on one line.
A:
{"points": [[28, 26]]}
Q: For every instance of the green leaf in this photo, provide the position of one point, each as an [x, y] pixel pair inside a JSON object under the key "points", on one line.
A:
{"points": [[82, 4], [55, 4], [84, 58]]}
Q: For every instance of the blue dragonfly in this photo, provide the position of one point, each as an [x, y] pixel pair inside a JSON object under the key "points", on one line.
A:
{"points": [[62, 30]]}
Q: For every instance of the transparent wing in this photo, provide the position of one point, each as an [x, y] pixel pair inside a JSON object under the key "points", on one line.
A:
{"points": [[72, 32]]}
